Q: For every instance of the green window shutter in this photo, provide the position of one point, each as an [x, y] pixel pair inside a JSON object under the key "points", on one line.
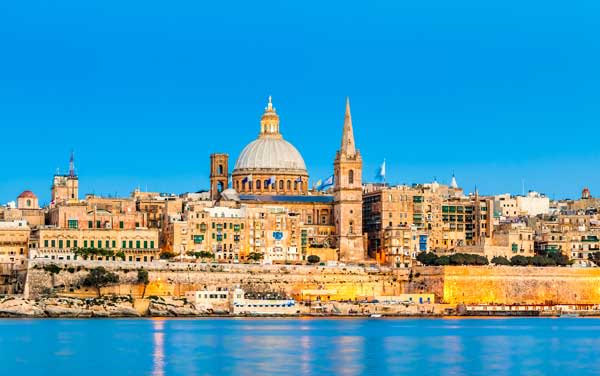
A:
{"points": [[60, 244], [53, 242], [90, 224], [114, 244], [145, 244], [46, 243], [121, 224], [75, 243], [152, 244], [68, 244], [131, 244], [124, 244]]}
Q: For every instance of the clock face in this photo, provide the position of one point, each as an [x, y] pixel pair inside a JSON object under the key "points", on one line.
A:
{"points": [[277, 235]]}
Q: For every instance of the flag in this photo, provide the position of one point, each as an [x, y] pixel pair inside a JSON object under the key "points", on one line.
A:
{"points": [[271, 180], [299, 180], [247, 179], [381, 172], [326, 184]]}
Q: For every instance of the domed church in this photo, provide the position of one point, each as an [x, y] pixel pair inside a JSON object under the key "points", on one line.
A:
{"points": [[271, 171], [270, 164]]}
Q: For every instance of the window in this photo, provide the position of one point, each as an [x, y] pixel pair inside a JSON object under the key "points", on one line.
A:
{"points": [[131, 244], [152, 242], [107, 244], [281, 185], [53, 243], [75, 243], [123, 244], [220, 169], [98, 225], [266, 184], [60, 243], [258, 184], [90, 224], [46, 243], [91, 244], [289, 185], [121, 224], [137, 244], [73, 223], [68, 244], [145, 244], [351, 229], [351, 177]]}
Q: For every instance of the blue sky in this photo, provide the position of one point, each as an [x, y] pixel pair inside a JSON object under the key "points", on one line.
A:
{"points": [[144, 91]]}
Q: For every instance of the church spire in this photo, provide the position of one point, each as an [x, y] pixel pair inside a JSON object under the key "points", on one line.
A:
{"points": [[348, 147], [72, 164]]}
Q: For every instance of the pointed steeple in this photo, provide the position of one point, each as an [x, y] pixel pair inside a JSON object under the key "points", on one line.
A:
{"points": [[348, 147], [72, 164]]}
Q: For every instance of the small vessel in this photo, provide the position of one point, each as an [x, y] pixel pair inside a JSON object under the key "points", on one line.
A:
{"points": [[569, 315], [375, 315]]}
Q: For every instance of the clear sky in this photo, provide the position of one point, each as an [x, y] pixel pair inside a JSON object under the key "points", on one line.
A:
{"points": [[144, 91]]}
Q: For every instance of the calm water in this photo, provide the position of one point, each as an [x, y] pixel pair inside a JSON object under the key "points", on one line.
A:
{"points": [[300, 346]]}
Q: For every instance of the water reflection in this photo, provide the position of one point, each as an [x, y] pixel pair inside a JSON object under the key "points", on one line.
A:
{"points": [[300, 347], [158, 355]]}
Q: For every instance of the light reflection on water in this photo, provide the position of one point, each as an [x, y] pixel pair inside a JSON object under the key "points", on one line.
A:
{"points": [[531, 346]]}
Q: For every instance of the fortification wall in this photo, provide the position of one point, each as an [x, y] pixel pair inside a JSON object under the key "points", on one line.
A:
{"points": [[512, 285], [176, 279]]}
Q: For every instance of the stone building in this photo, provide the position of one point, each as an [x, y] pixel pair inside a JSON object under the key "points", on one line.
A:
{"points": [[14, 242], [60, 243]]}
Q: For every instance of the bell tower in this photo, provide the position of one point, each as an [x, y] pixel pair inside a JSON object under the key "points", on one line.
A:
{"points": [[347, 194], [219, 174], [65, 188]]}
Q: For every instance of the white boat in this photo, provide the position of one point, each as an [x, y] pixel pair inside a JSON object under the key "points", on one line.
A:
{"points": [[376, 315]]}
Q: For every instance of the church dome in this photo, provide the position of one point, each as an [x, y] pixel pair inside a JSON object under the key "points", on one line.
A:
{"points": [[270, 152]]}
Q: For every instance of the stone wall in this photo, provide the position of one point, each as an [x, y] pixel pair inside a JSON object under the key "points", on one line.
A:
{"points": [[177, 278], [509, 285]]}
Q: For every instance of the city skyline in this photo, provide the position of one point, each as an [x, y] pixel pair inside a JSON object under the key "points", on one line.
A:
{"points": [[144, 94]]}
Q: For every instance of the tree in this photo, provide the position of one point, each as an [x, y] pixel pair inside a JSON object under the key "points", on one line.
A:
{"points": [[166, 255], [313, 259], [500, 260], [427, 258], [595, 258], [519, 260], [142, 277], [443, 260], [52, 269], [100, 277], [255, 256], [120, 255]]}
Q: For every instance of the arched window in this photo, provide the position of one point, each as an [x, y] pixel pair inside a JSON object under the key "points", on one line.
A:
{"points": [[281, 185], [266, 184], [250, 185], [28, 203], [220, 169], [289, 185], [258, 184], [220, 187], [351, 177], [295, 186]]}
